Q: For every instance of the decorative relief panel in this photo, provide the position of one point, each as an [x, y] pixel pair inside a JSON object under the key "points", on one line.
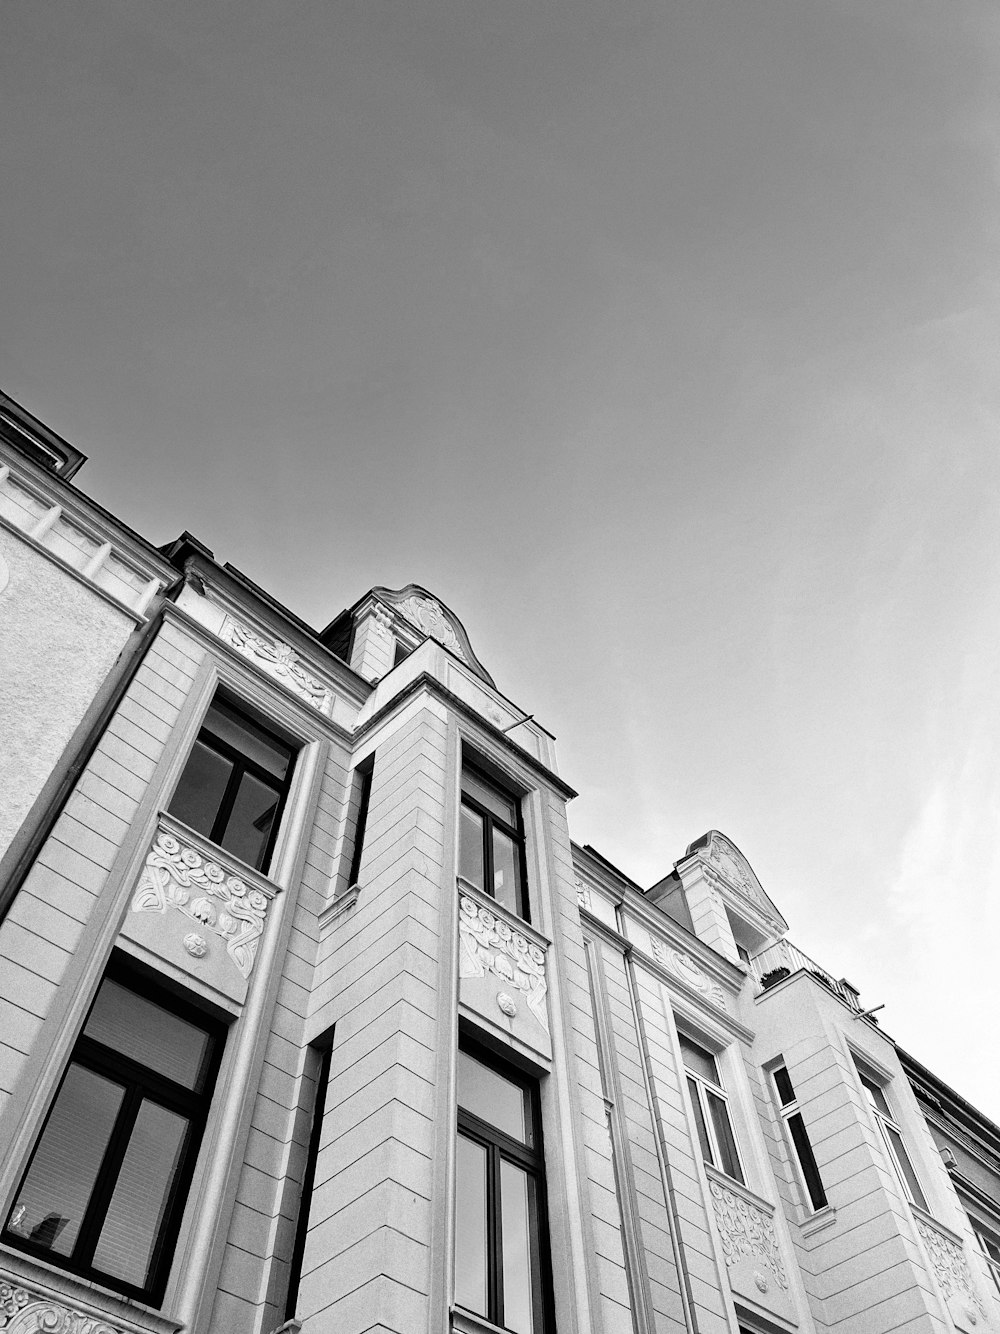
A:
{"points": [[583, 896], [26, 1312], [489, 947], [684, 967], [747, 1233], [181, 879], [728, 863], [951, 1269], [428, 615], [279, 661]]}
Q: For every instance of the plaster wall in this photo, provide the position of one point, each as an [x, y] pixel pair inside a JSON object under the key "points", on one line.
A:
{"points": [[58, 641]]}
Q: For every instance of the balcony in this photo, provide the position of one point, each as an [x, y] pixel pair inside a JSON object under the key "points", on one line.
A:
{"points": [[783, 955]]}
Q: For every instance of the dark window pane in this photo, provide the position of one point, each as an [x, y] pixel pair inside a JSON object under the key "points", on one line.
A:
{"points": [[807, 1161], [506, 871], [201, 789], [249, 738], [784, 1086], [470, 851], [141, 1194], [698, 1060], [488, 1095], [517, 1284], [249, 825], [496, 802], [60, 1181], [699, 1117], [141, 1029], [470, 1226], [719, 1113], [905, 1167]]}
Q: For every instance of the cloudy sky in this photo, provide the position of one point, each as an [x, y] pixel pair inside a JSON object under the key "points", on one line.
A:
{"points": [[658, 339]]}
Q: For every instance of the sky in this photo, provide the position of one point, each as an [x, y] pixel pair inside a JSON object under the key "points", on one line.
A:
{"points": [[659, 340]]}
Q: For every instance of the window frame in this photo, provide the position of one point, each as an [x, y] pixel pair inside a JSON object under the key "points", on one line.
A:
{"points": [[702, 1113], [873, 1088], [490, 820], [791, 1111], [139, 1083], [499, 1147], [242, 764], [363, 773], [988, 1242]]}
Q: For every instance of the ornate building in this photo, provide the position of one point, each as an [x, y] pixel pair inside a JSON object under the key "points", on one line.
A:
{"points": [[313, 1016]]}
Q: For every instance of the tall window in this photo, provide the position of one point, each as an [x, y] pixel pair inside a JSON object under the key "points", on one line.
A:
{"points": [[363, 779], [501, 1256], [235, 783], [491, 843], [893, 1138], [796, 1128], [106, 1184], [989, 1244], [711, 1109]]}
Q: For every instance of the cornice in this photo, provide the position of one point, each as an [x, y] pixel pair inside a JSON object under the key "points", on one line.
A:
{"points": [[656, 921]]}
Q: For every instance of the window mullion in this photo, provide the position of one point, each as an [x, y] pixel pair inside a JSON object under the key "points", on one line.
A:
{"points": [[228, 801], [107, 1177], [494, 1239]]}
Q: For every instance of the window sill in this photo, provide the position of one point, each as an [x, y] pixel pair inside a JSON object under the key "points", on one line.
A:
{"points": [[50, 1286], [817, 1222], [464, 1322]]}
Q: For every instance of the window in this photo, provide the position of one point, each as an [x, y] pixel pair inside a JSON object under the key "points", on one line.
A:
{"points": [[501, 1259], [491, 842], [105, 1186], [792, 1118], [893, 1138], [989, 1244], [235, 783], [321, 1056], [363, 776], [711, 1111]]}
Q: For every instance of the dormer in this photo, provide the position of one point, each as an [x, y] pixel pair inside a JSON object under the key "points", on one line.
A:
{"points": [[387, 624], [714, 892]]}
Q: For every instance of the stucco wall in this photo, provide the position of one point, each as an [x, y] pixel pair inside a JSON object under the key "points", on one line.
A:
{"points": [[58, 640]]}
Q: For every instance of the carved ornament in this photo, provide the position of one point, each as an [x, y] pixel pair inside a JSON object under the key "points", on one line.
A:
{"points": [[583, 896], [26, 1312], [729, 866], [684, 967], [746, 1231], [279, 661], [180, 878], [951, 1269], [428, 615], [488, 944]]}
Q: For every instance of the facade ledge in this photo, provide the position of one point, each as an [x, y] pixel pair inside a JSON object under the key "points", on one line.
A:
{"points": [[819, 1221], [343, 903], [465, 1322], [31, 1289]]}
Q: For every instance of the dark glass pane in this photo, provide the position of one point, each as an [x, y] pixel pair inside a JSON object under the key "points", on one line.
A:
{"points": [[807, 1161], [60, 1180], [470, 1226], [699, 1117], [249, 825], [470, 848], [698, 1060], [784, 1086], [496, 1100], [905, 1166], [501, 805], [719, 1113], [146, 1032], [515, 1232], [506, 871], [134, 1219], [201, 789], [249, 738]]}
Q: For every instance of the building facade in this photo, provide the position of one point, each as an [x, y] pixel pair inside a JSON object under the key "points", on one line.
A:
{"points": [[313, 1016]]}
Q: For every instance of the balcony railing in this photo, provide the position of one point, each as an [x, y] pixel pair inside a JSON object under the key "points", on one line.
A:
{"points": [[784, 955]]}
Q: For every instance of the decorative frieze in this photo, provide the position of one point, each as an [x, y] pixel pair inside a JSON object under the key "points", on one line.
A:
{"points": [[489, 945], [685, 968], [747, 1232], [280, 661], [951, 1269], [182, 879], [25, 1312]]}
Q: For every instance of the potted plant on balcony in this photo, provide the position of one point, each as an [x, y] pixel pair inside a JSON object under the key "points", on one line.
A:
{"points": [[775, 976]]}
